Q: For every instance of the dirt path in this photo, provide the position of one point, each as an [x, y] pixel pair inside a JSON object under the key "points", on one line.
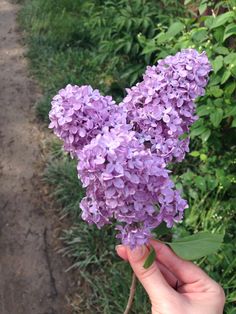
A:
{"points": [[32, 277]]}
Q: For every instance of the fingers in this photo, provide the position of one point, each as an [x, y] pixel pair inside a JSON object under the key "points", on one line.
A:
{"points": [[172, 280], [122, 252], [150, 278], [184, 270], [169, 277]]}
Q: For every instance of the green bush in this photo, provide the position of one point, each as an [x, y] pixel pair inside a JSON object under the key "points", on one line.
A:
{"points": [[88, 42]]}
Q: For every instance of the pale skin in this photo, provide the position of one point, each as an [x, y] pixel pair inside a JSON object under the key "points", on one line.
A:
{"points": [[174, 286]]}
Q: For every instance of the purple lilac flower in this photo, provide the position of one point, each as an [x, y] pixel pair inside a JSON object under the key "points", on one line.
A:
{"points": [[124, 150], [78, 115], [126, 182], [161, 108]]}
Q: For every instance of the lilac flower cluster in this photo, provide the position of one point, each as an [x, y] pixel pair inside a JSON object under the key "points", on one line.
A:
{"points": [[161, 108], [126, 182], [124, 150], [78, 115]]}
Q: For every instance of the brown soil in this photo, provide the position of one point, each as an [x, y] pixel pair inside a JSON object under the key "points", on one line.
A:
{"points": [[32, 273]]}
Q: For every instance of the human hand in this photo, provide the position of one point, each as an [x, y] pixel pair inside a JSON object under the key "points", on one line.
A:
{"points": [[174, 286]]}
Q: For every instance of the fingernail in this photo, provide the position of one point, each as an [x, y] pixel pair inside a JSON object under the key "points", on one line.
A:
{"points": [[121, 251], [118, 246], [137, 253]]}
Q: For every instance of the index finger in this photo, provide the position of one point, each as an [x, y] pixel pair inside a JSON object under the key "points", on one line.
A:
{"points": [[184, 270]]}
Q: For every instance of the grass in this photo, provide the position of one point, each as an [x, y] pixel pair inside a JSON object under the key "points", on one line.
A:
{"points": [[56, 53], [105, 276], [62, 174], [61, 52]]}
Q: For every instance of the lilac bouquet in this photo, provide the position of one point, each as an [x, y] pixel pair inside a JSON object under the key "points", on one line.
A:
{"points": [[124, 150]]}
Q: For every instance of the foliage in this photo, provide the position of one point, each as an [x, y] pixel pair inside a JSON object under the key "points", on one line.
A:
{"points": [[114, 26], [108, 44], [89, 42], [207, 177], [215, 131]]}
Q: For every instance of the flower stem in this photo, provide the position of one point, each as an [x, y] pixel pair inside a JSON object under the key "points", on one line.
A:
{"points": [[131, 294]]}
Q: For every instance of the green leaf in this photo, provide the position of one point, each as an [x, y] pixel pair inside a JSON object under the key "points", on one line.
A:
{"points": [[199, 34], [222, 177], [193, 194], [203, 157], [194, 153], [231, 112], [203, 110], [150, 47], [150, 259], [215, 91], [211, 182], [197, 131], [131, 70], [200, 183], [133, 78], [217, 63], [162, 38], [205, 135], [229, 31], [128, 46], [219, 34], [175, 28], [208, 21], [197, 245], [230, 58], [218, 102], [188, 176], [221, 50], [183, 44], [225, 76], [230, 88], [216, 117], [202, 8], [215, 80], [222, 19]]}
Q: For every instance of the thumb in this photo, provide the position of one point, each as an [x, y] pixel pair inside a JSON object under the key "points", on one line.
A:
{"points": [[151, 278]]}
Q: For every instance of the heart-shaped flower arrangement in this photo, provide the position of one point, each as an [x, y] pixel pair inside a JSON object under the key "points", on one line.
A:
{"points": [[123, 150]]}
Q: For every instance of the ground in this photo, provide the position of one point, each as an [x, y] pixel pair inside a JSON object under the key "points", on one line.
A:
{"points": [[32, 273]]}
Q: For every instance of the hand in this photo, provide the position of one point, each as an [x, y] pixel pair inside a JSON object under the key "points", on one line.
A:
{"points": [[174, 286]]}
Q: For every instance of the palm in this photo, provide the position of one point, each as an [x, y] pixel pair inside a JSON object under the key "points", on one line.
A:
{"points": [[192, 290]]}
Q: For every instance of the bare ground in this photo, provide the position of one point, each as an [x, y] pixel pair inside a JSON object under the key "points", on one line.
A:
{"points": [[32, 274]]}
